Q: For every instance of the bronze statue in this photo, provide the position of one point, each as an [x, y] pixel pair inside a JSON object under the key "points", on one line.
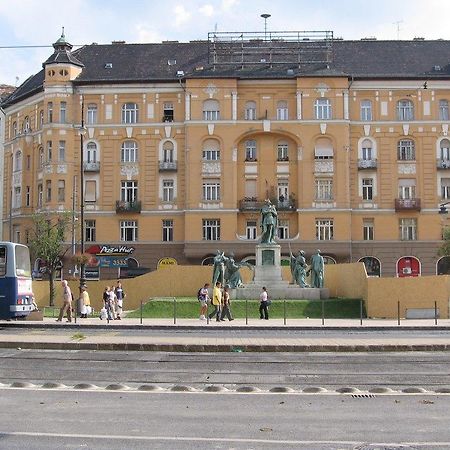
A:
{"points": [[269, 223], [299, 269], [317, 268]]}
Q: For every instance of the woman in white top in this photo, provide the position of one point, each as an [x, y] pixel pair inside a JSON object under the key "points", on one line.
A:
{"points": [[263, 306]]}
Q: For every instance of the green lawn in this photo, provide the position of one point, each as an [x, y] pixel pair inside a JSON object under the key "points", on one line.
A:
{"points": [[295, 309]]}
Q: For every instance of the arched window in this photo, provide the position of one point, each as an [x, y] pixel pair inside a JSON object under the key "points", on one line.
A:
{"points": [[406, 150], [211, 150], [282, 110], [250, 110], [408, 266], [41, 157], [26, 124], [443, 266], [130, 113], [372, 264], [91, 113], [129, 151], [14, 129], [283, 151], [91, 153], [250, 150], [322, 109], [211, 110], [366, 110], [41, 118], [168, 152], [367, 150], [405, 110], [323, 149], [444, 150], [443, 110]]}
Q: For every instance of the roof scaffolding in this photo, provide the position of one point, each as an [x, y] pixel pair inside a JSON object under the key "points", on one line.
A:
{"points": [[295, 48]]}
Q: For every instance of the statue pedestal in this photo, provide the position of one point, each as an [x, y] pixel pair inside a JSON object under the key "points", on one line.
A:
{"points": [[268, 265]]}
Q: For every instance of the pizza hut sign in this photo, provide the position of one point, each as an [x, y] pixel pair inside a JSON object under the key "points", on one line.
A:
{"points": [[111, 250]]}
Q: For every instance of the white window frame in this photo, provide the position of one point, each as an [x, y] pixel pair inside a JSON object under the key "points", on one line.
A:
{"points": [[167, 230], [405, 110], [211, 229], [211, 110], [91, 152], [129, 152], [443, 110], [367, 185], [283, 229], [324, 229], [168, 191], [128, 230], [366, 110], [368, 230], [128, 191], [62, 151], [324, 189], [322, 109], [91, 114], [61, 191], [251, 230], [130, 113], [250, 111], [408, 229], [90, 230], [282, 110], [63, 112], [250, 150], [406, 150], [283, 151], [211, 190]]}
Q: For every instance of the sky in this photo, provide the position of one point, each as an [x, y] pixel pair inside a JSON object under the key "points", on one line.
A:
{"points": [[39, 23]]}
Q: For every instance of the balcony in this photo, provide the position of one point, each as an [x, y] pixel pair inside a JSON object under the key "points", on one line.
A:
{"points": [[128, 207], [167, 166], [367, 164], [252, 204], [91, 166], [443, 164], [407, 204]]}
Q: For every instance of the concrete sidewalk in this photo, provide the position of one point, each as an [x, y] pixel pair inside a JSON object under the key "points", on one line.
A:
{"points": [[192, 335]]}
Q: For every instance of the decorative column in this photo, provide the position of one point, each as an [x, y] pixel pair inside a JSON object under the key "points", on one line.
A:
{"points": [[345, 94], [299, 105], [187, 112], [234, 105]]}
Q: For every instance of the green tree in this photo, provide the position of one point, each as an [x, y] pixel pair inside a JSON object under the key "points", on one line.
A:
{"points": [[47, 243], [444, 249]]}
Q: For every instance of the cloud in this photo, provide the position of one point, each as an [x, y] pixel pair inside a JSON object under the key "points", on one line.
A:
{"points": [[229, 4], [181, 15], [144, 34], [207, 10]]}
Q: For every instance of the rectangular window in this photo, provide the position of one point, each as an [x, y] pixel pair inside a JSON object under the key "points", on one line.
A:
{"points": [[443, 110], [128, 230], [250, 150], [283, 229], [408, 229], [61, 191], [445, 188], [407, 189], [49, 112], [368, 229], [282, 113], [90, 191], [89, 231], [168, 112], [91, 115], [406, 150], [324, 229], [211, 154], [251, 229], [211, 115], [62, 151], [40, 198], [283, 152], [367, 189], [211, 191], [366, 110], [168, 190], [62, 112], [167, 230], [28, 162], [128, 191], [28, 196], [250, 113], [49, 151], [211, 229], [48, 190], [322, 109], [324, 189], [129, 113], [17, 201]]}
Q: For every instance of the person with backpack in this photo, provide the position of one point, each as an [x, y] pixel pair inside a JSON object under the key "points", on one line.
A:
{"points": [[203, 298]]}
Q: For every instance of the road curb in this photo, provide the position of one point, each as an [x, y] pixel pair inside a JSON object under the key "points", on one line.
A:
{"points": [[223, 348]]}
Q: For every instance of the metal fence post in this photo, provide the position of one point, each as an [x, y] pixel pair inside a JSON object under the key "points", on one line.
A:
{"points": [[141, 311], [360, 312], [174, 310], [246, 312], [323, 312], [284, 311], [435, 313], [398, 312]]}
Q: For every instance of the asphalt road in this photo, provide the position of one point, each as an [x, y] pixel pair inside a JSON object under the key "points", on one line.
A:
{"points": [[39, 419], [365, 371]]}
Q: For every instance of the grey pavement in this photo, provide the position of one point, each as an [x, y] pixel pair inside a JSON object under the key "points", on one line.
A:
{"points": [[193, 335]]}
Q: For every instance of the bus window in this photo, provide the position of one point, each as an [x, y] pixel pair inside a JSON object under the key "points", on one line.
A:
{"points": [[23, 266], [2, 261]]}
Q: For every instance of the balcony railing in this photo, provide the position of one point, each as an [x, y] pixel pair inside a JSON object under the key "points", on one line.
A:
{"points": [[252, 204], [443, 164], [167, 166], [128, 207], [407, 204], [91, 166], [367, 164]]}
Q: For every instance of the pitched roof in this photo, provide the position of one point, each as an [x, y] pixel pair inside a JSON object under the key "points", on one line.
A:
{"points": [[364, 59]]}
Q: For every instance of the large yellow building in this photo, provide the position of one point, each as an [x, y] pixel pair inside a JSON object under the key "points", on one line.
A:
{"points": [[183, 141]]}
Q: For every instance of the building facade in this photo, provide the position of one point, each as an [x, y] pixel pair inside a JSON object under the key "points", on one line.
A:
{"points": [[182, 142]]}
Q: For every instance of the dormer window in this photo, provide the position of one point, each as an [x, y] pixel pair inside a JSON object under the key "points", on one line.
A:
{"points": [[64, 72], [108, 66]]}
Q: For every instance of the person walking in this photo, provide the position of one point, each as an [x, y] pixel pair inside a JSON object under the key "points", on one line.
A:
{"points": [[108, 301], [264, 304], [85, 302], [120, 296], [216, 301], [203, 298], [67, 303], [226, 305]]}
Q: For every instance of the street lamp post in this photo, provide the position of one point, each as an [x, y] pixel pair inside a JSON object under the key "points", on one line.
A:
{"points": [[82, 133]]}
